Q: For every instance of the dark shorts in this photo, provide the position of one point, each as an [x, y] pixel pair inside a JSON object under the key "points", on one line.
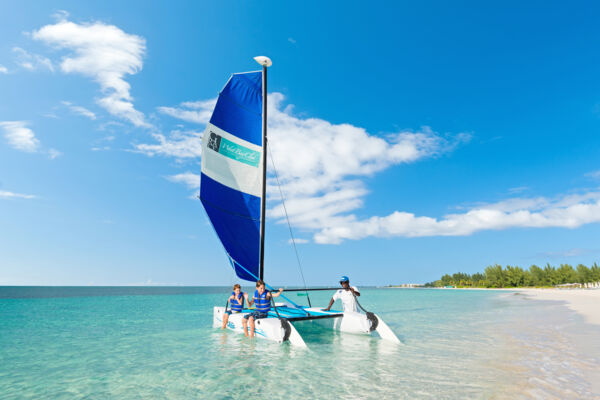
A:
{"points": [[256, 315]]}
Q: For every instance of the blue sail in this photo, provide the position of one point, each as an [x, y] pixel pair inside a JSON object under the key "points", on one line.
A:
{"points": [[231, 181]]}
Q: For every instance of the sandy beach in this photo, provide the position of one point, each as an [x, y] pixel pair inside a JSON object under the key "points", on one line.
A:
{"points": [[583, 301]]}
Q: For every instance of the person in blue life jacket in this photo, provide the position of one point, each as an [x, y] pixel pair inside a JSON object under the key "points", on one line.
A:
{"points": [[262, 299], [347, 294], [236, 303]]}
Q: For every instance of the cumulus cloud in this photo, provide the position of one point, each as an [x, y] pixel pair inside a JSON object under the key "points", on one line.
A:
{"points": [[19, 136], [104, 53], [79, 110], [11, 195], [198, 112], [3, 69], [30, 61], [315, 156], [321, 165], [569, 211]]}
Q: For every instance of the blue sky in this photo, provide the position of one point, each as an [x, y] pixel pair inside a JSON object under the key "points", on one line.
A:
{"points": [[412, 139]]}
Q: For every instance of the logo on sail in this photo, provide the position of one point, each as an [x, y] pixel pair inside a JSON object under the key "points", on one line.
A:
{"points": [[233, 150], [214, 141]]}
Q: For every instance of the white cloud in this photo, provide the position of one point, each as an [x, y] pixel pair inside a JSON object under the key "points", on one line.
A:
{"points": [[19, 136], [321, 165], [11, 195], [180, 144], [30, 61], [570, 211], [315, 156], [3, 69], [292, 40], [191, 180], [79, 110], [191, 111], [104, 53], [22, 138]]}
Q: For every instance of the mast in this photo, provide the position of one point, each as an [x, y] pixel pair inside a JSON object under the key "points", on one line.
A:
{"points": [[265, 62]]}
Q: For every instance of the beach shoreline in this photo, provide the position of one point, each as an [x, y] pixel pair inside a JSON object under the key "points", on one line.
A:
{"points": [[585, 302], [582, 302]]}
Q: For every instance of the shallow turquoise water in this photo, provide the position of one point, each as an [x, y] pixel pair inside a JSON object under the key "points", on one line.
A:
{"points": [[157, 344]]}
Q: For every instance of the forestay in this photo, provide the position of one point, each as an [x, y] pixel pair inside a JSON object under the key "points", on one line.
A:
{"points": [[232, 176]]}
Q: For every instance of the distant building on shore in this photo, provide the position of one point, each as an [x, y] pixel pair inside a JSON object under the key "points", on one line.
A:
{"points": [[406, 285]]}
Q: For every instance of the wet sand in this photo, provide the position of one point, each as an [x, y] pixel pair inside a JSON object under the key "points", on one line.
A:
{"points": [[583, 301]]}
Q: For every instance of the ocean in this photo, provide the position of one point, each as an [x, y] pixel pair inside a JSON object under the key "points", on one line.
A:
{"points": [[159, 343]]}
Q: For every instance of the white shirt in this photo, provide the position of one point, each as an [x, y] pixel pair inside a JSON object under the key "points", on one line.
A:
{"points": [[348, 299]]}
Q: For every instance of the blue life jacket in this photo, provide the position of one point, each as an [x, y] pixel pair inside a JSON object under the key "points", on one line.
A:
{"points": [[235, 306], [263, 304]]}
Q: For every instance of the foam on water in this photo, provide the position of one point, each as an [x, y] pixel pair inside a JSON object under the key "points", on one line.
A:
{"points": [[457, 344]]}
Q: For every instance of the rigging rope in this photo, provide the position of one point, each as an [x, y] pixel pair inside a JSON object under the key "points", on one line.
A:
{"points": [[290, 227]]}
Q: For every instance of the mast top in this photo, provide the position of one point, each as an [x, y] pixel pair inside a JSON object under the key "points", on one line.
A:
{"points": [[264, 61]]}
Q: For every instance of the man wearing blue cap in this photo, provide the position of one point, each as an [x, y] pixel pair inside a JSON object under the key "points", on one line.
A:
{"points": [[347, 294]]}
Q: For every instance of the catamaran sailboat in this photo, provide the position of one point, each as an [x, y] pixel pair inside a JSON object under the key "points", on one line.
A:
{"points": [[233, 193]]}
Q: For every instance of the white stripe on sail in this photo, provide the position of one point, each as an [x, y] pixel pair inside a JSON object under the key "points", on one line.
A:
{"points": [[232, 161]]}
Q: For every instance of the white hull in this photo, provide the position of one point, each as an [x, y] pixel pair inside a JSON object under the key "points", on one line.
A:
{"points": [[273, 329], [267, 328], [355, 322]]}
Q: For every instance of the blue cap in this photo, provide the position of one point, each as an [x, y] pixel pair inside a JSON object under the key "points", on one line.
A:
{"points": [[344, 278]]}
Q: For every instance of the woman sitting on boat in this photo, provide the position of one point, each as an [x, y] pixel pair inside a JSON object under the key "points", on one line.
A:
{"points": [[262, 299], [236, 303]]}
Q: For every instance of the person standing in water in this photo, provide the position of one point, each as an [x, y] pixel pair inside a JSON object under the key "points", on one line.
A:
{"points": [[236, 303], [347, 294], [262, 298]]}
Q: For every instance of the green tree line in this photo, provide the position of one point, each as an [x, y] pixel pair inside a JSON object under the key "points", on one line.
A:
{"points": [[495, 276]]}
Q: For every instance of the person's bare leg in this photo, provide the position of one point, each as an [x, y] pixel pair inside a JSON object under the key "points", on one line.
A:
{"points": [[245, 325], [225, 319], [251, 326]]}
